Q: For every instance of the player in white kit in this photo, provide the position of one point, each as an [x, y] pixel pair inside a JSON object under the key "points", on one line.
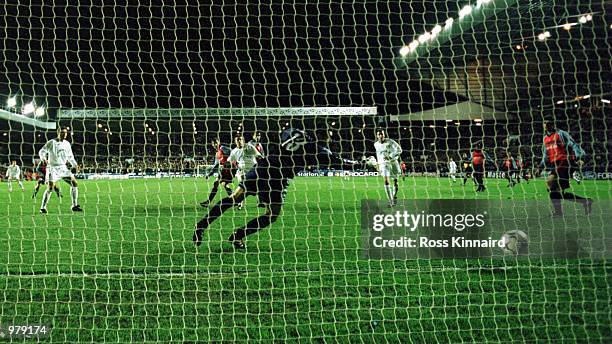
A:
{"points": [[452, 170], [387, 155], [14, 173], [244, 157], [56, 154]]}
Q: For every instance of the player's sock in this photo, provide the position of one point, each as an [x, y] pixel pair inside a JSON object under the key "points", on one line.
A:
{"points": [[21, 185], [216, 211], [389, 192], [10, 186], [213, 192], [228, 190], [572, 197], [253, 226], [395, 188], [45, 199], [555, 198], [57, 191], [74, 194]]}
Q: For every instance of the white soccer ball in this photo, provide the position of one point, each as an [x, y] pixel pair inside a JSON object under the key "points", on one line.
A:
{"points": [[515, 242], [372, 162]]}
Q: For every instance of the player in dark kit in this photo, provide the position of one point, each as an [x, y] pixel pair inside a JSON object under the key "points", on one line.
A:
{"points": [[41, 173], [467, 170], [510, 169], [297, 150], [556, 151], [225, 172]]}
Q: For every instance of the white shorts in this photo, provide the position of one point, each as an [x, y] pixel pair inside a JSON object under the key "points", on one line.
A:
{"points": [[56, 173], [15, 176], [391, 170], [241, 174]]}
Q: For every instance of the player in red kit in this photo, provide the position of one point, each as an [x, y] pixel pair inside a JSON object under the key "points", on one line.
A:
{"points": [[479, 158], [556, 150], [223, 169], [403, 167]]}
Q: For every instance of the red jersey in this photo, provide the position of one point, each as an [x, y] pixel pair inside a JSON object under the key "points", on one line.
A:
{"points": [[403, 166], [478, 157], [221, 155], [555, 149]]}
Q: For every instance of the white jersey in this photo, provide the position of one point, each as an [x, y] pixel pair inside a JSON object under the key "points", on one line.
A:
{"points": [[245, 157], [387, 152], [452, 167], [57, 153], [14, 171]]}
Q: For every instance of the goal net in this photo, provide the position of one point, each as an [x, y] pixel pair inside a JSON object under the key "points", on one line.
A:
{"points": [[356, 115]]}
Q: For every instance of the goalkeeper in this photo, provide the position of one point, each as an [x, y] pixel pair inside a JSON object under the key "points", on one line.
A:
{"points": [[269, 180]]}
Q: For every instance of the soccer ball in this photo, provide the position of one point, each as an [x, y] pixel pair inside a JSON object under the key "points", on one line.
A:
{"points": [[372, 162], [516, 242]]}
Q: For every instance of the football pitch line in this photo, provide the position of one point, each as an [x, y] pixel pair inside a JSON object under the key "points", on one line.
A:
{"points": [[256, 273]]}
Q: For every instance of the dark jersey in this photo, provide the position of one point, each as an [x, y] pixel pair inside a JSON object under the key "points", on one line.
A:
{"points": [[296, 151]]}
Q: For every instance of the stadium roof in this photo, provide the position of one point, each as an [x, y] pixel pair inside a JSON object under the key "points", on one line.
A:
{"points": [[466, 110], [323, 53], [216, 112]]}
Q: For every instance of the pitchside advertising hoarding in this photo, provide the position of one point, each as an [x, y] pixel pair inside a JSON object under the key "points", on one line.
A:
{"points": [[429, 229]]}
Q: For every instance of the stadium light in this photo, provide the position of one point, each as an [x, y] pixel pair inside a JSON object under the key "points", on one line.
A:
{"points": [[582, 20], [11, 102], [405, 50], [589, 17], [605, 101], [449, 120], [99, 125], [448, 23], [478, 124], [413, 45], [466, 10], [436, 30], [28, 108], [568, 26], [40, 111], [424, 37], [333, 123], [477, 120], [482, 2], [559, 102]]}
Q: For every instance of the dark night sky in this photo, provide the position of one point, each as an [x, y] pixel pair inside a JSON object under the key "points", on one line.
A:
{"points": [[323, 53], [319, 53]]}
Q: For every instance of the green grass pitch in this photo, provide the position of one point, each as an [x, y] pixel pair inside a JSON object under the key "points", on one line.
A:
{"points": [[126, 270]]}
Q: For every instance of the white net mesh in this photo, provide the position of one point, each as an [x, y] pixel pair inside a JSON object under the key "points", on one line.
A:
{"points": [[144, 88]]}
